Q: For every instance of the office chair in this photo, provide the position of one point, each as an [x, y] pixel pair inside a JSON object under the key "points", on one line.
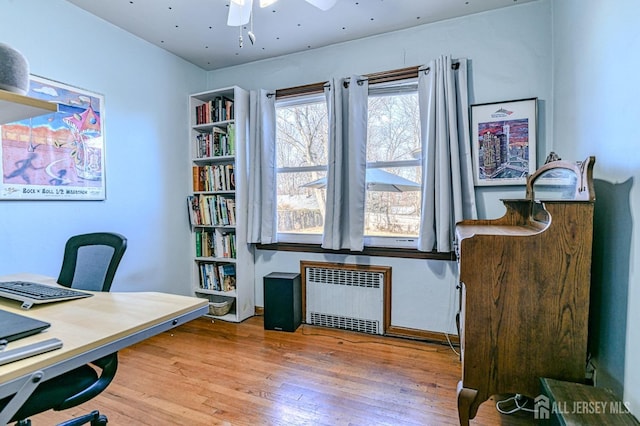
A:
{"points": [[90, 262]]}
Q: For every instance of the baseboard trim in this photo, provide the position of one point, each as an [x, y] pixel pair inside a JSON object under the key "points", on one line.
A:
{"points": [[405, 332], [429, 336]]}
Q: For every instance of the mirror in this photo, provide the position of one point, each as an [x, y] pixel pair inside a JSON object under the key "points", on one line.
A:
{"points": [[555, 184], [562, 180]]}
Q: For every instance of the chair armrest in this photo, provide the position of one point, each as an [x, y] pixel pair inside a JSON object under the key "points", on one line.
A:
{"points": [[109, 365]]}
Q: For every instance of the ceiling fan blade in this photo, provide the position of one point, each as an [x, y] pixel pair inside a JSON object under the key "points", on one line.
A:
{"points": [[239, 12], [322, 4]]}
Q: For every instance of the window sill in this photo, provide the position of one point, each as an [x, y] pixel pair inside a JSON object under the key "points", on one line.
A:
{"points": [[368, 251]]}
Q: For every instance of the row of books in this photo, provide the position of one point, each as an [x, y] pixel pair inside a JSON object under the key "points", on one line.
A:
{"points": [[219, 277], [211, 210], [215, 244], [216, 143], [213, 111], [214, 177]]}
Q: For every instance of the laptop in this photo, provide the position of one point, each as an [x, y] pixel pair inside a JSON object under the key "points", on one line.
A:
{"points": [[15, 326]]}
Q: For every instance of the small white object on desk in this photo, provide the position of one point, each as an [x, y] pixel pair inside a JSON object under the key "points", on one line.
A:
{"points": [[33, 349]]}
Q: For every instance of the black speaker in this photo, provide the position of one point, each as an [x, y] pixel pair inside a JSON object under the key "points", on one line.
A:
{"points": [[282, 301]]}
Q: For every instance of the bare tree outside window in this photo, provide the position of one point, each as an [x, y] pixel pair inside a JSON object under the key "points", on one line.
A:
{"points": [[393, 165], [301, 158], [393, 145]]}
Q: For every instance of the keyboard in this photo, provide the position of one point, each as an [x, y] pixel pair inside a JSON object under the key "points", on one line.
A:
{"points": [[32, 293]]}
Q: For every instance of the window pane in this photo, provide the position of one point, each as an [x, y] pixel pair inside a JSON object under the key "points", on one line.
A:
{"points": [[393, 212], [393, 192], [300, 208], [301, 144], [393, 128]]}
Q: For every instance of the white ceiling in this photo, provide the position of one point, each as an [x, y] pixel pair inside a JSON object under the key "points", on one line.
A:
{"points": [[197, 30]]}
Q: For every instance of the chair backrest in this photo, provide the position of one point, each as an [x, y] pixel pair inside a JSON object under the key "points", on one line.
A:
{"points": [[91, 260]]}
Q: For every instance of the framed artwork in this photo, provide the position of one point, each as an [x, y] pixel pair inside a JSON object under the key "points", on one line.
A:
{"points": [[503, 135], [57, 156]]}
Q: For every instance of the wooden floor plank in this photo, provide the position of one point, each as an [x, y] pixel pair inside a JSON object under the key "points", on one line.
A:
{"points": [[217, 373]]}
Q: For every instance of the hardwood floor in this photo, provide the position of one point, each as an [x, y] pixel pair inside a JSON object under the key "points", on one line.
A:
{"points": [[217, 373]]}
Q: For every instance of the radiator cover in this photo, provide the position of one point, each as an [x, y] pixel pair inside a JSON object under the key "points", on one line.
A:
{"points": [[348, 297]]}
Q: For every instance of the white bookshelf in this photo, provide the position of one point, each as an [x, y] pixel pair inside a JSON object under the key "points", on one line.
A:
{"points": [[219, 150]]}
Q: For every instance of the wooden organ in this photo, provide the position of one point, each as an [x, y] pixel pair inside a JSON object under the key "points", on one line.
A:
{"points": [[525, 282]]}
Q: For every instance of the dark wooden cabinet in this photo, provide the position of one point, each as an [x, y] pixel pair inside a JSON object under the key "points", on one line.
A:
{"points": [[525, 281]]}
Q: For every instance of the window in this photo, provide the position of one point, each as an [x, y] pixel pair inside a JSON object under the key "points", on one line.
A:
{"points": [[393, 199], [301, 157], [394, 171]]}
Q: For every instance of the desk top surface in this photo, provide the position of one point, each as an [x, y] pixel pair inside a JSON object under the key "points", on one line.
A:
{"points": [[86, 324], [468, 230]]}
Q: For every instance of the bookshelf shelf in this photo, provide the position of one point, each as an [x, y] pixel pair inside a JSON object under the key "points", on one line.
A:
{"points": [[216, 159], [216, 292], [214, 192], [205, 127], [215, 259], [215, 226], [15, 107], [223, 261]]}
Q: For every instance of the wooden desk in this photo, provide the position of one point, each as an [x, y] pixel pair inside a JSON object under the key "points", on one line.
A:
{"points": [[90, 328]]}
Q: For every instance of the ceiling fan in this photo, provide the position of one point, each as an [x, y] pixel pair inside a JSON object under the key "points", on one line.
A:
{"points": [[240, 10]]}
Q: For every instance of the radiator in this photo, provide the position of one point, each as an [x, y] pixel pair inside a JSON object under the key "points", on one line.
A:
{"points": [[349, 297]]}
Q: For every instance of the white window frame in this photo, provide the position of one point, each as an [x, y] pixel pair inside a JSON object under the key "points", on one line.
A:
{"points": [[382, 89], [391, 88], [292, 237]]}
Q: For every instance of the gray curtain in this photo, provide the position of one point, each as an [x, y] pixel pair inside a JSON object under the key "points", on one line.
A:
{"points": [[448, 193], [261, 226], [346, 186]]}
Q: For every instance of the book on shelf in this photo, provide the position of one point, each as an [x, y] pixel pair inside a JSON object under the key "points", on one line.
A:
{"points": [[219, 144], [198, 244], [229, 177], [227, 276], [225, 245], [222, 211], [217, 276], [203, 113], [195, 171], [209, 277], [220, 244], [231, 210], [231, 138], [205, 243], [211, 144], [208, 209], [193, 206], [220, 108], [205, 215], [228, 108], [217, 177]]}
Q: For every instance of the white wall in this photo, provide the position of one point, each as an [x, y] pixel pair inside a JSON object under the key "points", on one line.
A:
{"points": [[509, 52], [583, 77], [423, 293], [147, 164], [596, 112]]}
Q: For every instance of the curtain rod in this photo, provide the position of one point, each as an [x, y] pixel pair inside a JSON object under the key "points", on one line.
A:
{"points": [[374, 78], [307, 89]]}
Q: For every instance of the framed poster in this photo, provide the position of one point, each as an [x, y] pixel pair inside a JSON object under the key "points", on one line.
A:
{"points": [[57, 156], [503, 136]]}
